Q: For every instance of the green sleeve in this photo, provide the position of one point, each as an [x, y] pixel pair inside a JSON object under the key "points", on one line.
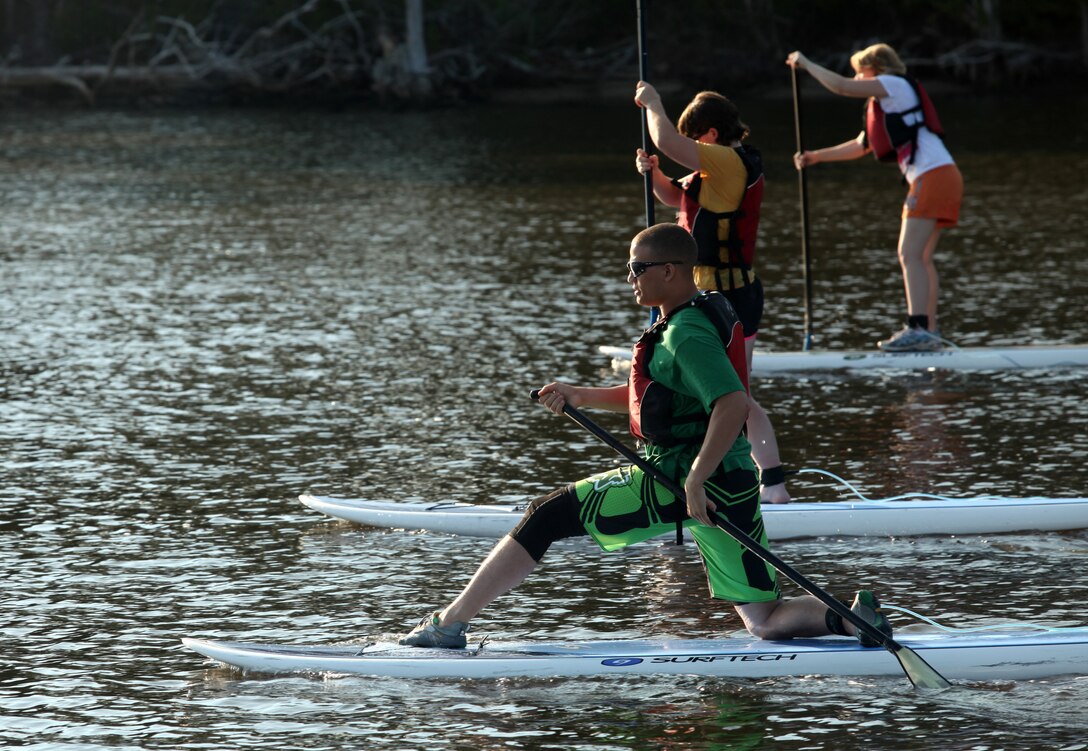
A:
{"points": [[706, 371]]}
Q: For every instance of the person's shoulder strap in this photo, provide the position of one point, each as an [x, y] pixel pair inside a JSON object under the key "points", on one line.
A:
{"points": [[753, 161]]}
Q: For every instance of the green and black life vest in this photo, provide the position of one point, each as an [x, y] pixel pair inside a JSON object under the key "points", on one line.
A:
{"points": [[649, 401]]}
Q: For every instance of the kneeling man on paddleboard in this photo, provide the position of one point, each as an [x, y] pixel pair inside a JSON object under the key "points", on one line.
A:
{"points": [[687, 399]]}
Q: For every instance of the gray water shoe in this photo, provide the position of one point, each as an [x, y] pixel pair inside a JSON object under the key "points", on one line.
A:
{"points": [[911, 340], [429, 634]]}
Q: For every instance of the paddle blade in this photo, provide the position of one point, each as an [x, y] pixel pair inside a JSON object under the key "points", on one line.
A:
{"points": [[920, 672]]}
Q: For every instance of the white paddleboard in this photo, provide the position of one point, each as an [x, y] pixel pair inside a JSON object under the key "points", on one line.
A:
{"points": [[994, 656], [982, 515], [963, 358]]}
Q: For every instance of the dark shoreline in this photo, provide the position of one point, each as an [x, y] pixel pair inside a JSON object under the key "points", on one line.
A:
{"points": [[613, 91]]}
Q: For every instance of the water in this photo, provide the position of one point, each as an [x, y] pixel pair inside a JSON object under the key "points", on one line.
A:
{"points": [[206, 314]]}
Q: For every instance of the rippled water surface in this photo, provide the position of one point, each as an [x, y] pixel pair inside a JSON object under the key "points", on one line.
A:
{"points": [[203, 315]]}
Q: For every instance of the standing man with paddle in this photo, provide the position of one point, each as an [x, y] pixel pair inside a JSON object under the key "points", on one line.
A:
{"points": [[719, 204], [687, 400]]}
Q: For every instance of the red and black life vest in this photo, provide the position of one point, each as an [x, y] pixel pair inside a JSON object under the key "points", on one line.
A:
{"points": [[650, 402], [703, 224], [893, 136]]}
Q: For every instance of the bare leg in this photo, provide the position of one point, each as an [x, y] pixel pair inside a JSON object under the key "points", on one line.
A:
{"points": [[785, 619], [761, 435], [917, 244], [931, 275], [504, 568]]}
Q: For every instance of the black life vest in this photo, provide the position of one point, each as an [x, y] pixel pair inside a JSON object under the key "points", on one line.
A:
{"points": [[703, 224], [650, 402], [894, 134]]}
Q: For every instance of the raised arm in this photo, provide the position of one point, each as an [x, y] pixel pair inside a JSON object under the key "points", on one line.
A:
{"points": [[833, 82], [676, 147]]}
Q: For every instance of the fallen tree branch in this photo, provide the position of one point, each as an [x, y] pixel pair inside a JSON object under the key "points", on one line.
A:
{"points": [[172, 52], [44, 77]]}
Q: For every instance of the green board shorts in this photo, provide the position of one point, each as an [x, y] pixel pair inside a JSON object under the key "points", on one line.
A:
{"points": [[624, 506]]}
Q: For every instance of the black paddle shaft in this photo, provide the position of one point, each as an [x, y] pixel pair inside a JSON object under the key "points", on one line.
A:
{"points": [[641, 7], [929, 677], [802, 181]]}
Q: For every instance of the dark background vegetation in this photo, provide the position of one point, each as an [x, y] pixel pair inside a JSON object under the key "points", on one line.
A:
{"points": [[469, 49]]}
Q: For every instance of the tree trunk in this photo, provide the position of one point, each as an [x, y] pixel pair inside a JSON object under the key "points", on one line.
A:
{"points": [[403, 71], [7, 33], [1084, 32], [416, 45], [989, 20], [27, 23]]}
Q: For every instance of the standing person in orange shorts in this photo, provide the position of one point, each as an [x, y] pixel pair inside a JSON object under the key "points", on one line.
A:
{"points": [[901, 125]]}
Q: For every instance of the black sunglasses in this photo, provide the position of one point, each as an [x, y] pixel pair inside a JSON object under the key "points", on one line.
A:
{"points": [[638, 268]]}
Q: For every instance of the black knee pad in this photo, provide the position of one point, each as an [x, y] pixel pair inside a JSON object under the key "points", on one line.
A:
{"points": [[549, 518]]}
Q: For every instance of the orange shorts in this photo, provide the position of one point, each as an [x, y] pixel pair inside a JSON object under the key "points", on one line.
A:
{"points": [[936, 194]]}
